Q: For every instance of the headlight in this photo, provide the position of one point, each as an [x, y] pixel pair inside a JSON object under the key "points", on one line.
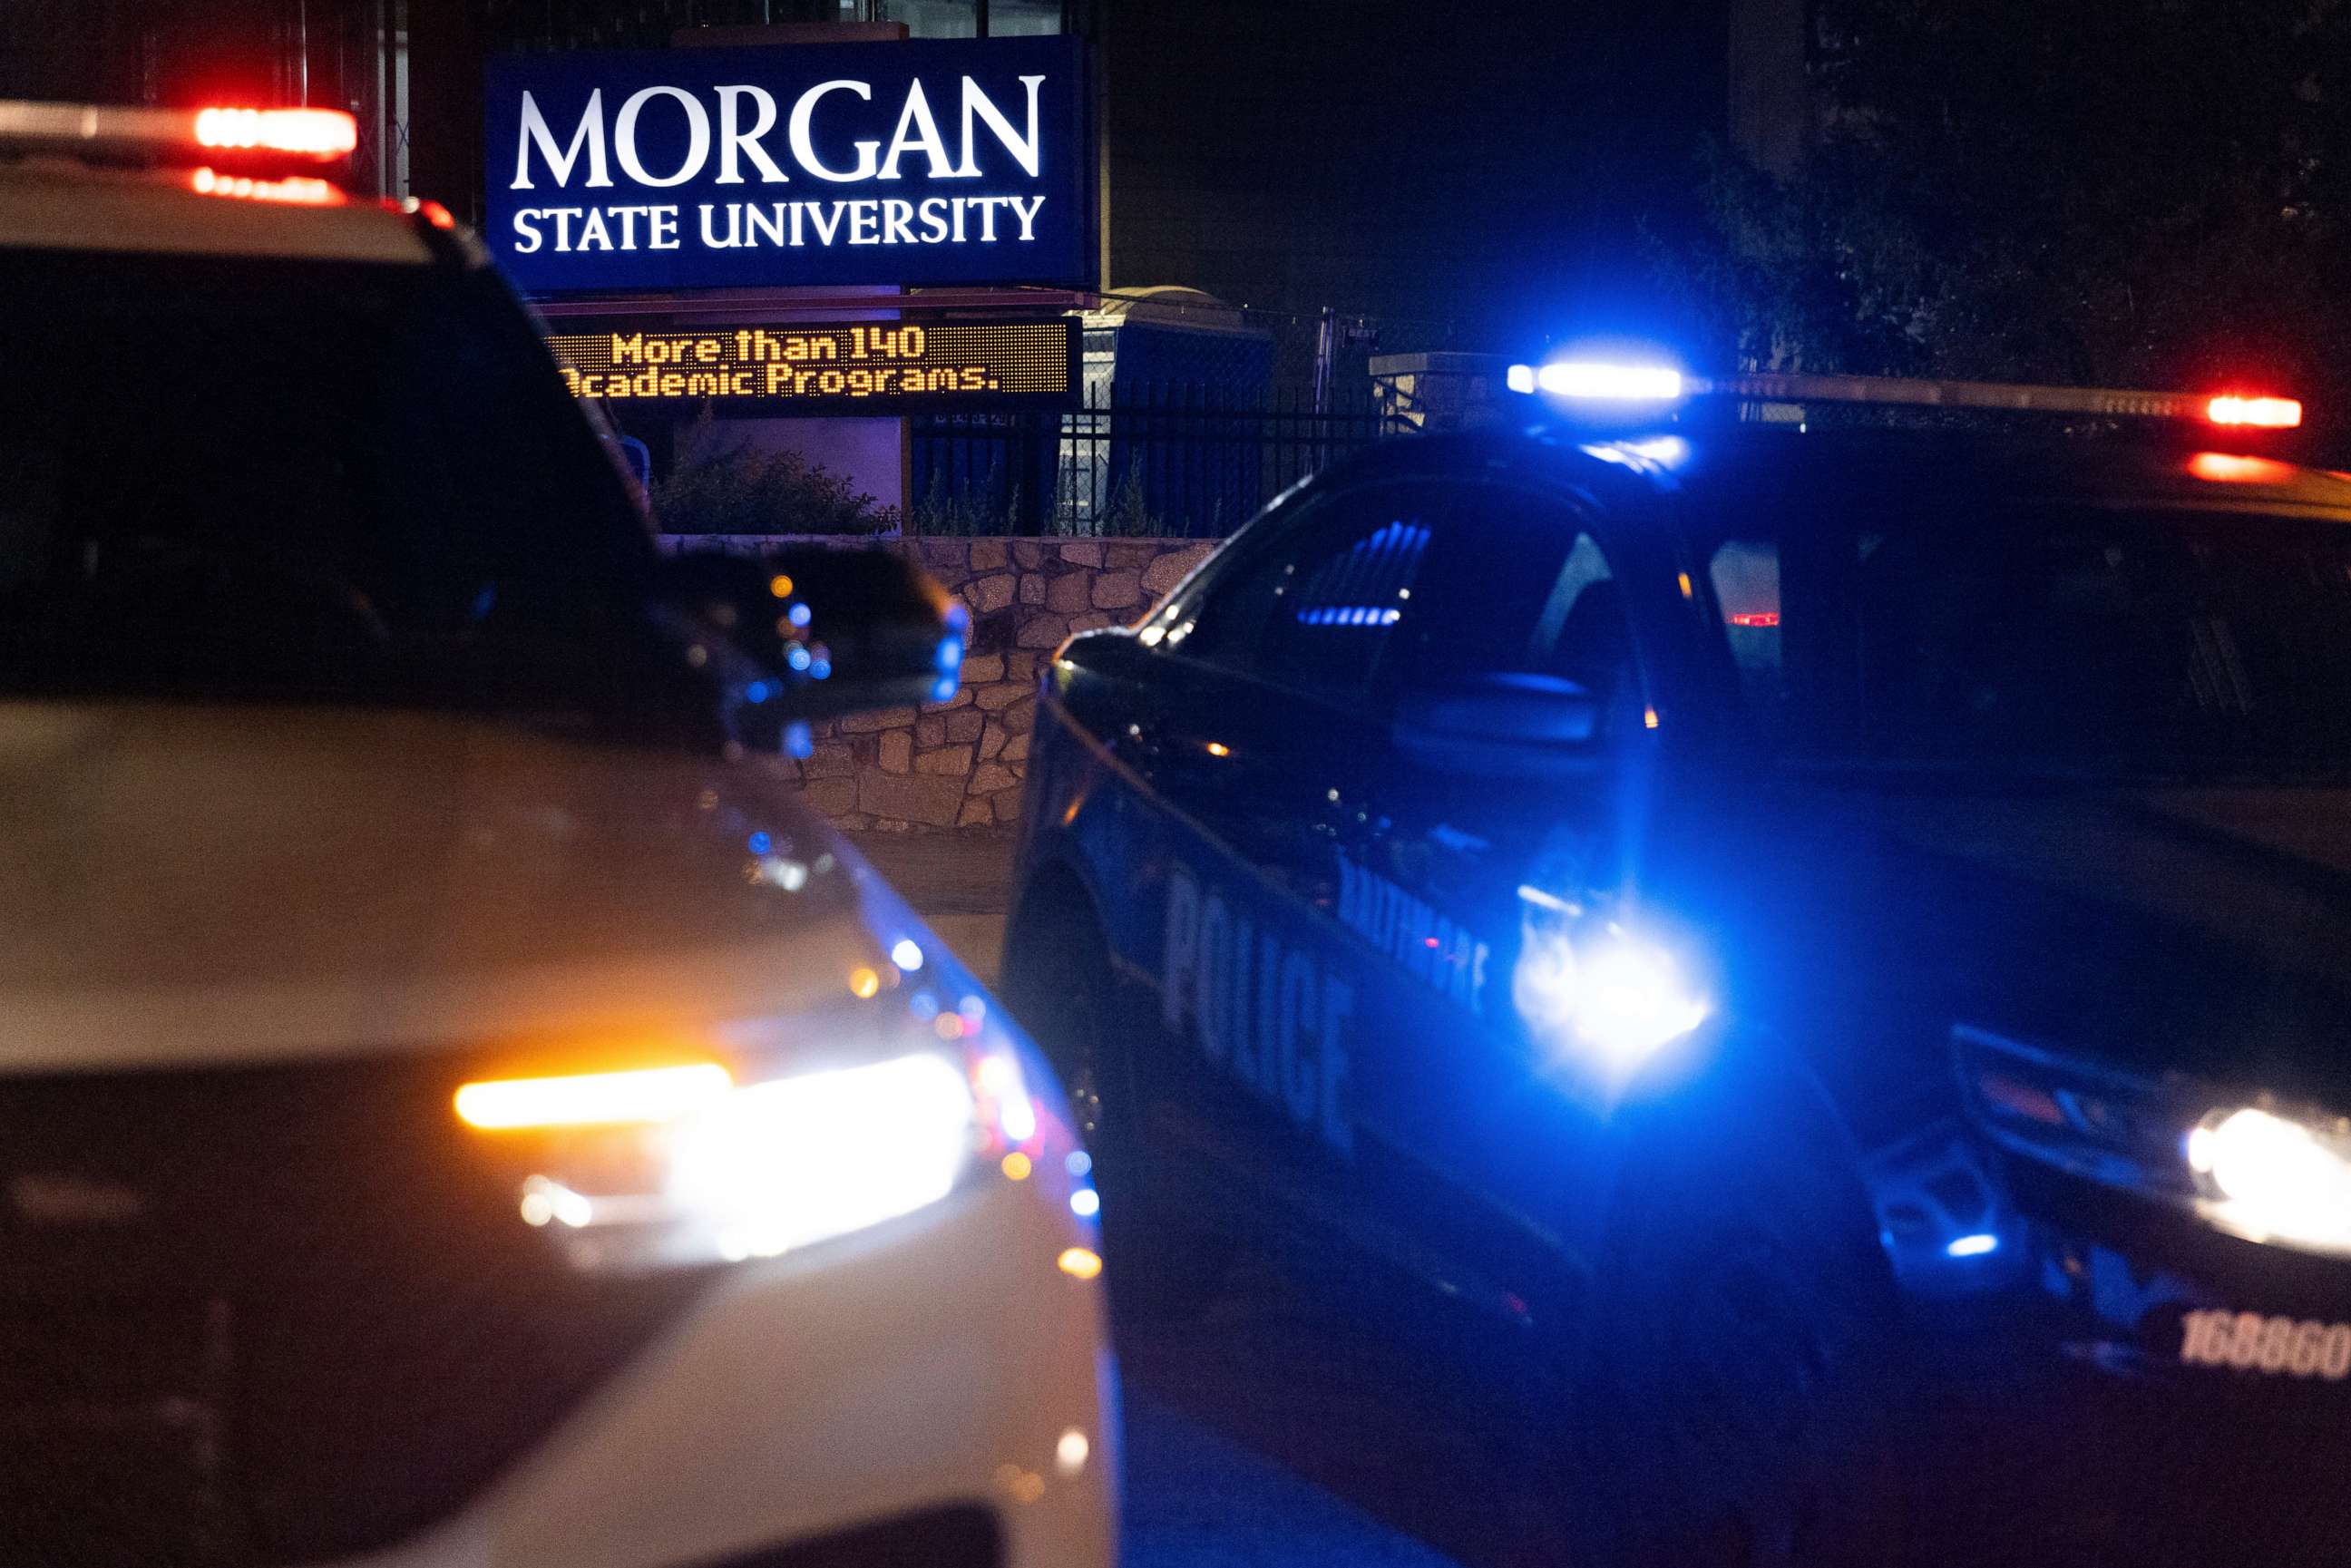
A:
{"points": [[2275, 1178], [803, 1158], [767, 1151], [2268, 1172]]}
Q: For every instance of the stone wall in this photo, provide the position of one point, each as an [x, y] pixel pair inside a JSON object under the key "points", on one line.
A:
{"points": [[960, 764]]}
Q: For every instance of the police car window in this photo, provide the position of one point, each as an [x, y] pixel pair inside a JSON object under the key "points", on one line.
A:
{"points": [[1380, 589], [1335, 608], [1518, 586], [354, 481], [1584, 636], [1745, 576], [2098, 641], [1313, 607]]}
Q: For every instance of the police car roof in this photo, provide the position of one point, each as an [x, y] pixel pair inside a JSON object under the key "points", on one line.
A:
{"points": [[2162, 465], [51, 204]]}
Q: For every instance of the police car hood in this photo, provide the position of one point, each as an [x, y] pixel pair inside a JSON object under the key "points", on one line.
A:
{"points": [[2204, 931], [185, 885]]}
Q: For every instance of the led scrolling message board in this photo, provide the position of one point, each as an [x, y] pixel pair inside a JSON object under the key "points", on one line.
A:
{"points": [[887, 367]]}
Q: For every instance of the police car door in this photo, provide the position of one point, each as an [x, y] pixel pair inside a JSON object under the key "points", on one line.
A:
{"points": [[1255, 743], [1467, 851]]}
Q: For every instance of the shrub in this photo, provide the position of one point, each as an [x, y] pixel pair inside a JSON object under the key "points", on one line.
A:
{"points": [[722, 487]]}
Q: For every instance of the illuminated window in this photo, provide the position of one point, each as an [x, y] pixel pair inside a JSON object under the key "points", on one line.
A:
{"points": [[647, 24], [1024, 18], [975, 18], [937, 18]]}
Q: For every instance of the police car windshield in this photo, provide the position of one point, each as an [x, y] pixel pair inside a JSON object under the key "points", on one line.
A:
{"points": [[2084, 640], [241, 478]]}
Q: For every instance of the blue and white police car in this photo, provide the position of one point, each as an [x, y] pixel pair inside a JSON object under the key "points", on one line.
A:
{"points": [[1773, 905]]}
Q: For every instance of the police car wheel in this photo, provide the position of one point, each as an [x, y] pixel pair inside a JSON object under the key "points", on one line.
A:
{"points": [[1058, 982], [1742, 1379]]}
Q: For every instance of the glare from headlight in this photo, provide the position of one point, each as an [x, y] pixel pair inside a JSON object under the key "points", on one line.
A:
{"points": [[784, 1164], [2273, 1178]]}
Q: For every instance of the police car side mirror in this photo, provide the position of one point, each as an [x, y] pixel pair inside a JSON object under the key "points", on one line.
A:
{"points": [[824, 631], [1505, 721]]}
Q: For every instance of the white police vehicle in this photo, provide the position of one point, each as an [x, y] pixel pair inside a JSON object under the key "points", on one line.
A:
{"points": [[1721, 897], [455, 1108]]}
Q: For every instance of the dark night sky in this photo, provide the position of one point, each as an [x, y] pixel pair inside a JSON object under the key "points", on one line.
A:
{"points": [[1485, 163]]}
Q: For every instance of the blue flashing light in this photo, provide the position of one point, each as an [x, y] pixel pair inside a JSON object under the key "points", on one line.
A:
{"points": [[944, 689], [797, 657], [820, 668], [1598, 381], [1630, 1001], [1079, 1163], [1085, 1202], [950, 654], [798, 740], [761, 843], [1975, 1246], [758, 692], [1350, 615], [798, 614]]}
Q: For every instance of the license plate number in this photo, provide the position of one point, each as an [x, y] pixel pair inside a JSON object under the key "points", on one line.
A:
{"points": [[2256, 1342]]}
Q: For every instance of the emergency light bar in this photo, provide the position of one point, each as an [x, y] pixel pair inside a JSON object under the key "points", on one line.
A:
{"points": [[1601, 383], [2265, 413], [1625, 385], [313, 135]]}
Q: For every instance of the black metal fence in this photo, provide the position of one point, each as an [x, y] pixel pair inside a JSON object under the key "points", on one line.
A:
{"points": [[1167, 460]]}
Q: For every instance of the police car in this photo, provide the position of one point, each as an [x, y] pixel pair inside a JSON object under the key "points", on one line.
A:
{"points": [[1761, 909], [456, 1105]]}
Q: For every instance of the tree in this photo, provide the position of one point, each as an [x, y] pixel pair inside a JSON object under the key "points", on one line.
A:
{"points": [[2115, 193]]}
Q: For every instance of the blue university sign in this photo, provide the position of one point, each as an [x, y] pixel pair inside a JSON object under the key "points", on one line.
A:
{"points": [[841, 163]]}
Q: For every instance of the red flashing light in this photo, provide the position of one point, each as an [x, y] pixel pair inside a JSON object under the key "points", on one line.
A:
{"points": [[2260, 413], [299, 191], [1762, 618], [2226, 468], [321, 133], [433, 212]]}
